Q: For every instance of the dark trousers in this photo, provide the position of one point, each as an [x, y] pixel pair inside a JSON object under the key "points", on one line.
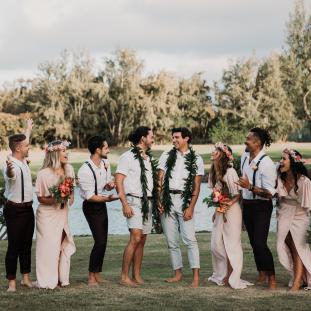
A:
{"points": [[20, 222], [256, 217], [97, 218]]}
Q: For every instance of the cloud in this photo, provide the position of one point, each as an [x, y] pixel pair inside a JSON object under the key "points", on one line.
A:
{"points": [[182, 35]]}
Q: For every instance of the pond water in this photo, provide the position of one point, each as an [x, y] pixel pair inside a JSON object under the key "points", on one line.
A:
{"points": [[117, 223]]}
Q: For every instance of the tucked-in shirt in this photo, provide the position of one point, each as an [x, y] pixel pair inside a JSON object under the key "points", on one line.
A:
{"points": [[265, 176], [130, 167], [87, 180], [179, 172], [13, 186]]}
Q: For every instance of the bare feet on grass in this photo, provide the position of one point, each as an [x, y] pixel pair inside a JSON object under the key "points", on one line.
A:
{"points": [[128, 282]]}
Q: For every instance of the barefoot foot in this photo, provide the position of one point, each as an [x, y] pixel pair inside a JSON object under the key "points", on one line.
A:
{"points": [[127, 282]]}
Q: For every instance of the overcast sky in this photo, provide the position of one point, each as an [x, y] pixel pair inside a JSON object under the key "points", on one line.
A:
{"points": [[181, 36]]}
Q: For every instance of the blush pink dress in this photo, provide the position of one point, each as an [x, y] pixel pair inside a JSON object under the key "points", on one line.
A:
{"points": [[226, 239], [293, 215], [52, 253]]}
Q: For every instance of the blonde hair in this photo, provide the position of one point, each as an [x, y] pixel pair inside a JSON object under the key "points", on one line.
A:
{"points": [[52, 159]]}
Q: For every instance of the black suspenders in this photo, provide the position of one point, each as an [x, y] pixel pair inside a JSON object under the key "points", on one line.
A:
{"points": [[255, 171], [90, 166], [23, 188], [22, 184]]}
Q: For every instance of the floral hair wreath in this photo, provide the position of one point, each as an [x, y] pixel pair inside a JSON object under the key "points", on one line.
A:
{"points": [[292, 153], [61, 146], [225, 149]]}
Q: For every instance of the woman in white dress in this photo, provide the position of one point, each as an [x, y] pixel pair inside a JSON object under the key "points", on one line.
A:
{"points": [[227, 254], [293, 215], [54, 243]]}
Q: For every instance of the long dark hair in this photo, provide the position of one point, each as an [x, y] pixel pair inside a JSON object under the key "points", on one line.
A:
{"points": [[297, 168], [218, 172]]}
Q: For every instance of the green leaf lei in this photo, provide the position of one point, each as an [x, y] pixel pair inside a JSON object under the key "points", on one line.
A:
{"points": [[143, 179], [191, 167]]}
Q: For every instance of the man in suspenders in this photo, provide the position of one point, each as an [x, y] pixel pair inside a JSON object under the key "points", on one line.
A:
{"points": [[18, 212], [258, 183], [94, 179]]}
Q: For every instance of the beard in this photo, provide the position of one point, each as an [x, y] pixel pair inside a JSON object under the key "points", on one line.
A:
{"points": [[104, 156], [246, 149]]}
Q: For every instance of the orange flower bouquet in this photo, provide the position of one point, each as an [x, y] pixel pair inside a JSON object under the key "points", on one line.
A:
{"points": [[62, 192], [215, 200]]}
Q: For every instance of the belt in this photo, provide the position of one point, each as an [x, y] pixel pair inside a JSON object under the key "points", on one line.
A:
{"points": [[176, 191], [24, 204], [137, 197]]}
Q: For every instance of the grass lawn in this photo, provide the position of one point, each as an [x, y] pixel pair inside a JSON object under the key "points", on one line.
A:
{"points": [[155, 294]]}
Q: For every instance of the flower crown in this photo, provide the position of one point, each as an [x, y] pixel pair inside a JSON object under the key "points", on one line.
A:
{"points": [[292, 153], [61, 146], [225, 149]]}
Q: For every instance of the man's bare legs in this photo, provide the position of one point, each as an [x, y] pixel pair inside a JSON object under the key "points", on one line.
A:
{"points": [[128, 255], [138, 259], [196, 278]]}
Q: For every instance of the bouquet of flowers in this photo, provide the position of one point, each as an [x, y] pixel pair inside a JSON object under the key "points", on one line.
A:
{"points": [[216, 199], [61, 192]]}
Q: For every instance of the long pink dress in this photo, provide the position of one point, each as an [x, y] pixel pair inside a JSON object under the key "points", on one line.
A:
{"points": [[293, 216], [226, 240], [52, 254]]}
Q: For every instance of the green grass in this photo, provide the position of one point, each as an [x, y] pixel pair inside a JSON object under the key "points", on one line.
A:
{"points": [[155, 294]]}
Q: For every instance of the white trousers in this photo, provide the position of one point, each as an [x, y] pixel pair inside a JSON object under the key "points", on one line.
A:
{"points": [[174, 226]]}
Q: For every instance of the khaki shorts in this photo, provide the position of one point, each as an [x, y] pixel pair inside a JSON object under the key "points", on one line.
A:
{"points": [[136, 221]]}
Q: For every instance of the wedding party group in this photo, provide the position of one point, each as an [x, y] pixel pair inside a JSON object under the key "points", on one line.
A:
{"points": [[167, 188]]}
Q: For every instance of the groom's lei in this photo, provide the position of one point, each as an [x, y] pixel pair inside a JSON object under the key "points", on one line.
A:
{"points": [[191, 167], [143, 179]]}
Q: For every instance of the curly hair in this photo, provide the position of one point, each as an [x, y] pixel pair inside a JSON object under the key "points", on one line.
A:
{"points": [[263, 135], [297, 169]]}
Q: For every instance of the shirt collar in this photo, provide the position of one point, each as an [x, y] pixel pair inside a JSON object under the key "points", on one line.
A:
{"points": [[258, 156], [183, 154], [102, 165], [24, 162]]}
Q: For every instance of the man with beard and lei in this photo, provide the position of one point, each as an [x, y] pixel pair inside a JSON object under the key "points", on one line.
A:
{"points": [[180, 175], [136, 179], [258, 184]]}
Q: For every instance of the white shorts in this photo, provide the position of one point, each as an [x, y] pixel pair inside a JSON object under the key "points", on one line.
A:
{"points": [[136, 221]]}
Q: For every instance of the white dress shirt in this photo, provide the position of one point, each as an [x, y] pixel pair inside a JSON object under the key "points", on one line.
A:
{"points": [[179, 172], [87, 181], [265, 177], [13, 186], [130, 167]]}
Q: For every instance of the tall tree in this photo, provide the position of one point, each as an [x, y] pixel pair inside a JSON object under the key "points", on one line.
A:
{"points": [[276, 110], [295, 62]]}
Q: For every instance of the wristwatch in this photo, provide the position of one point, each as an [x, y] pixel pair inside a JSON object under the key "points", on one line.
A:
{"points": [[251, 188]]}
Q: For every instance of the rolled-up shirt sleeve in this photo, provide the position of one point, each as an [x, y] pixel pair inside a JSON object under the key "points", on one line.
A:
{"points": [[200, 165], [268, 178], [86, 182], [123, 165], [162, 161]]}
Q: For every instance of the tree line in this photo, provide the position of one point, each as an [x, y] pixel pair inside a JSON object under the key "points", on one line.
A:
{"points": [[75, 98]]}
